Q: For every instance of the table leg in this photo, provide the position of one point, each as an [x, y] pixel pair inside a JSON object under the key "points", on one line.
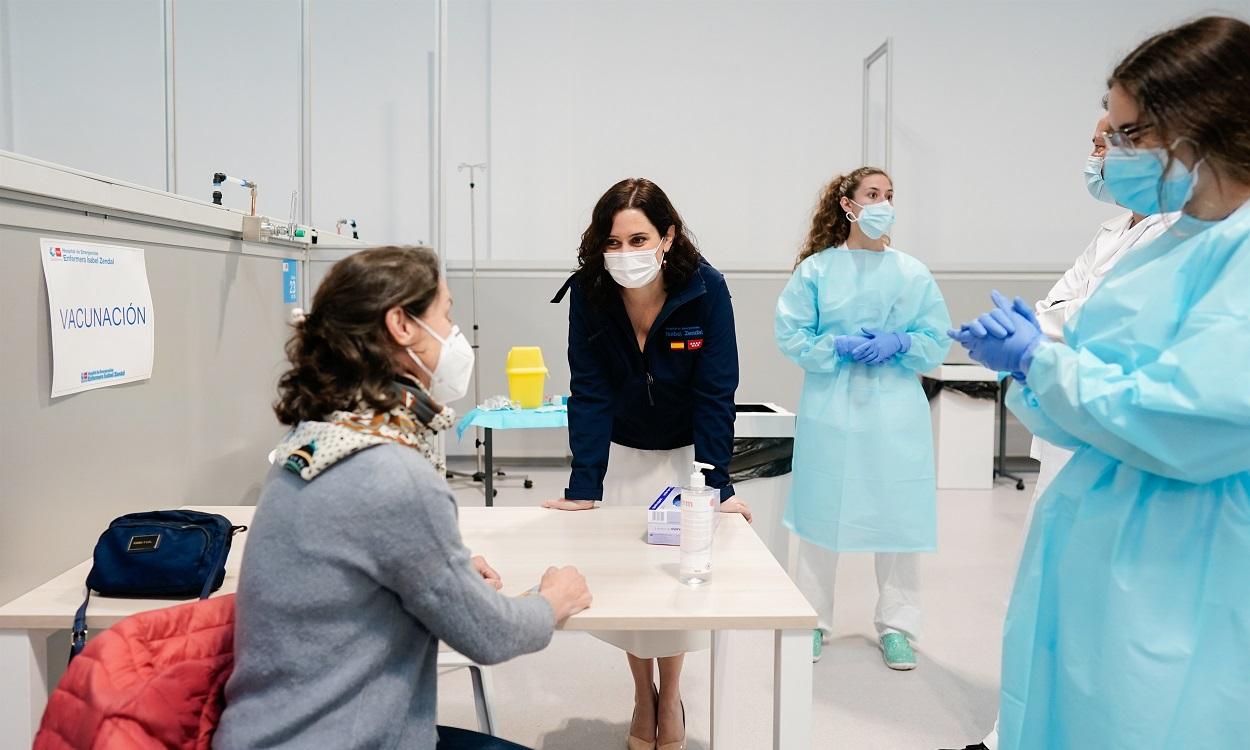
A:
{"points": [[1000, 462], [792, 690], [725, 646], [792, 559], [23, 685], [489, 479]]}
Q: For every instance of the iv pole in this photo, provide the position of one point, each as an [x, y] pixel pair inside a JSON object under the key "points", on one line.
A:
{"points": [[480, 476]]}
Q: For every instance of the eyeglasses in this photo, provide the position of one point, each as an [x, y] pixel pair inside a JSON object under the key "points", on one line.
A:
{"points": [[1125, 137]]}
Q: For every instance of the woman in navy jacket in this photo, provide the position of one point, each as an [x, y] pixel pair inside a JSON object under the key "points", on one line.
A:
{"points": [[654, 364]]}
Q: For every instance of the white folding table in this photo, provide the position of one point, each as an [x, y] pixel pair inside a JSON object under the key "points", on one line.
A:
{"points": [[634, 584]]}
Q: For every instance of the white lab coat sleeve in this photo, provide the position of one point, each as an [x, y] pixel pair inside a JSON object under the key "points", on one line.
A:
{"points": [[1067, 295]]}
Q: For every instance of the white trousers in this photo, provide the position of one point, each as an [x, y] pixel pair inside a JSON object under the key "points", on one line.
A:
{"points": [[1053, 460], [635, 478], [898, 588]]}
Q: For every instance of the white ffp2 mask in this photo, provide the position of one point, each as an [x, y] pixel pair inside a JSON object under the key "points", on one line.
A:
{"points": [[449, 380]]}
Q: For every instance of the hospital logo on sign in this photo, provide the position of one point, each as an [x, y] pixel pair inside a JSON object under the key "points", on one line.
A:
{"points": [[93, 376], [54, 252]]}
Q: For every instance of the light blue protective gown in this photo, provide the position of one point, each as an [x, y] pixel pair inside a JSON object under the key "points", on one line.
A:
{"points": [[1129, 625], [863, 449]]}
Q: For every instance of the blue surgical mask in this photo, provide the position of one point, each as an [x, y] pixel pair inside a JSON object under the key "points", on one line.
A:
{"points": [[1094, 182], [1139, 184], [875, 219]]}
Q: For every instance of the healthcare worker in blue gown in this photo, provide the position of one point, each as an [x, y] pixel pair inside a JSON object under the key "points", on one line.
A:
{"points": [[1114, 240], [862, 319], [1129, 624]]}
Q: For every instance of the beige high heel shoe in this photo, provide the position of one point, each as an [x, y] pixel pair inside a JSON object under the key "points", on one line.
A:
{"points": [[680, 745], [637, 744]]}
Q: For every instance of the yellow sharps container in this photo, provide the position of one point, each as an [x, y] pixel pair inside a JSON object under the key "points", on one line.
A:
{"points": [[526, 376]]}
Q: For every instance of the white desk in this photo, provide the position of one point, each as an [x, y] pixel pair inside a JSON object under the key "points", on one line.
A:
{"points": [[634, 584]]}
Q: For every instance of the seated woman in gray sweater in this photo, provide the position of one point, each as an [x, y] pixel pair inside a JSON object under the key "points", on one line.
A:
{"points": [[354, 569]]}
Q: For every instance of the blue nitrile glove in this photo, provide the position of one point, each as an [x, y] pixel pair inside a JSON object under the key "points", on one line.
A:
{"points": [[846, 344], [997, 323], [1010, 353], [881, 346], [964, 335], [967, 339]]}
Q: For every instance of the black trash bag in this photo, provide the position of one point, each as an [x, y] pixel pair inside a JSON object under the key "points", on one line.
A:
{"points": [[760, 458], [975, 389]]}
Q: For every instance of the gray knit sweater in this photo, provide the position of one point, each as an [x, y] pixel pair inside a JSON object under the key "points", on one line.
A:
{"points": [[348, 584]]}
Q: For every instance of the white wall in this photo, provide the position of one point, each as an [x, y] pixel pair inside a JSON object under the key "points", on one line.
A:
{"points": [[716, 102], [6, 77], [82, 83], [371, 72], [742, 111], [467, 109], [995, 107], [237, 72], [88, 85]]}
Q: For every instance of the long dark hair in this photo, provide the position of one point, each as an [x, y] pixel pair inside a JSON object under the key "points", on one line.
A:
{"points": [[681, 261], [341, 352], [830, 227], [1193, 82]]}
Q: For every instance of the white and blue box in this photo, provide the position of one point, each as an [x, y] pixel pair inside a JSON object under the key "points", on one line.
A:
{"points": [[664, 518]]}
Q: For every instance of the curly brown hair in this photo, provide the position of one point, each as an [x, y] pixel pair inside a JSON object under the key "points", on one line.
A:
{"points": [[341, 352], [830, 227], [681, 261]]}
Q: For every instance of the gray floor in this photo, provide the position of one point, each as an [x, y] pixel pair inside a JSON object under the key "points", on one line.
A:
{"points": [[577, 695]]}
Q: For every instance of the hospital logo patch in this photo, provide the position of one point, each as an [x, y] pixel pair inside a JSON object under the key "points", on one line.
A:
{"points": [[694, 344]]}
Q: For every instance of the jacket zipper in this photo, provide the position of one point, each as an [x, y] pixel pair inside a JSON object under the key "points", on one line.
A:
{"points": [[660, 320]]}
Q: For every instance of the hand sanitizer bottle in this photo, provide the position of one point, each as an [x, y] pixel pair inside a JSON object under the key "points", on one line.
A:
{"points": [[698, 522]]}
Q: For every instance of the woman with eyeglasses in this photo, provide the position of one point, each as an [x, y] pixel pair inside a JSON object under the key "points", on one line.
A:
{"points": [[1115, 239], [1129, 621]]}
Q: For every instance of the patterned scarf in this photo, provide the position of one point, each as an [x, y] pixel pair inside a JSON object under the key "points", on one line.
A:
{"points": [[312, 447]]}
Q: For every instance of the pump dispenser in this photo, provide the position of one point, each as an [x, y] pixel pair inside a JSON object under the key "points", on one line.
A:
{"points": [[698, 525]]}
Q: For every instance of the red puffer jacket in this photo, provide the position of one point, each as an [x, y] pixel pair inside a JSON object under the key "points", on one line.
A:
{"points": [[154, 680]]}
